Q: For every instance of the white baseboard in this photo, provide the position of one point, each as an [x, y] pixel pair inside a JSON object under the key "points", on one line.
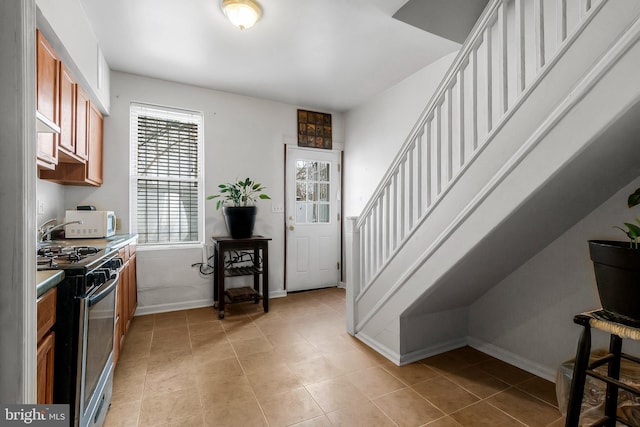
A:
{"points": [[175, 306], [423, 353], [187, 305], [413, 356], [382, 349], [277, 294], [490, 349], [342, 285], [513, 359]]}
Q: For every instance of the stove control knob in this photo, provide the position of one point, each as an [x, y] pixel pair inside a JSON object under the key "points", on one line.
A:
{"points": [[97, 277], [106, 273], [116, 264]]}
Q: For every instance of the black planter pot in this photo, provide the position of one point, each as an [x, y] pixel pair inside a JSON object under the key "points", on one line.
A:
{"points": [[617, 269], [240, 220]]}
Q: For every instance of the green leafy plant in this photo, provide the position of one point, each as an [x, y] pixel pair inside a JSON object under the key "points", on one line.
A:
{"points": [[243, 192], [633, 230]]}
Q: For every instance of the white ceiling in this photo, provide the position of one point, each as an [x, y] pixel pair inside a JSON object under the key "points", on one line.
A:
{"points": [[324, 54]]}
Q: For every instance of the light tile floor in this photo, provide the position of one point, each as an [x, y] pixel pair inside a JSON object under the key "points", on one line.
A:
{"points": [[296, 365]]}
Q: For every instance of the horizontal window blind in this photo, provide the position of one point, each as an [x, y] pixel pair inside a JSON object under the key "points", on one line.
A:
{"points": [[166, 174]]}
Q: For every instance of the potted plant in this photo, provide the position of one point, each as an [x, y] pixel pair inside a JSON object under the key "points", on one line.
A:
{"points": [[617, 269], [240, 213]]}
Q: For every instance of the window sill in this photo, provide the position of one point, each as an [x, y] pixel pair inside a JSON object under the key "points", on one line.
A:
{"points": [[169, 247]]}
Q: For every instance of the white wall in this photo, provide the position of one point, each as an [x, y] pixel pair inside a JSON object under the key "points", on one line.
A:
{"points": [[77, 45], [377, 129], [51, 196], [243, 137], [527, 317]]}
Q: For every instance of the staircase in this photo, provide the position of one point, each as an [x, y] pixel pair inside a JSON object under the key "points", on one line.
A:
{"points": [[506, 156]]}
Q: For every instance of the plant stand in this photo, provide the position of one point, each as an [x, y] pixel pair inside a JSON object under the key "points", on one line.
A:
{"points": [[259, 247]]}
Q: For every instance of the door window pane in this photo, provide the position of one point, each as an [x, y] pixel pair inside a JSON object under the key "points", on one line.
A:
{"points": [[312, 213], [323, 212], [324, 172], [301, 213], [313, 191], [324, 193]]}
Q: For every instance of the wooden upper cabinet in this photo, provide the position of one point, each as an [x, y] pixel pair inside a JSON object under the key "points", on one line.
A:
{"points": [[67, 141], [94, 163], [82, 120], [47, 100], [88, 172], [75, 156]]}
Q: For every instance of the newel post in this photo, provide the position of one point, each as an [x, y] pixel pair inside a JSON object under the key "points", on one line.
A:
{"points": [[352, 249]]}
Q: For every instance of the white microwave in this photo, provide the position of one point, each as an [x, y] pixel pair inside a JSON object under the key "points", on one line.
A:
{"points": [[95, 224]]}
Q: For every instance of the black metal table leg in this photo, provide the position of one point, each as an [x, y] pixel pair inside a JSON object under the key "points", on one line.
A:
{"points": [[265, 277]]}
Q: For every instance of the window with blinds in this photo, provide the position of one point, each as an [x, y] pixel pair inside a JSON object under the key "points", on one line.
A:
{"points": [[166, 150]]}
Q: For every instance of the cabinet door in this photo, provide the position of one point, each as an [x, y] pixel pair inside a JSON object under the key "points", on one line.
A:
{"points": [[116, 341], [47, 92], [124, 283], [67, 139], [44, 376], [133, 288], [94, 163], [46, 312], [82, 120]]}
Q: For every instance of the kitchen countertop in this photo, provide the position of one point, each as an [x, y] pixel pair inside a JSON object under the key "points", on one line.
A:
{"points": [[109, 243], [47, 279]]}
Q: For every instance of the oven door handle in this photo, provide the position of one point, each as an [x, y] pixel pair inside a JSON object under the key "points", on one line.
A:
{"points": [[108, 288]]}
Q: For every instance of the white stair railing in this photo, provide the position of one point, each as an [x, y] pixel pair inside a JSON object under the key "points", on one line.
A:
{"points": [[510, 48]]}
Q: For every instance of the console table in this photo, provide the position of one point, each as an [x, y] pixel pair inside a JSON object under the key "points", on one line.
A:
{"points": [[258, 248]]}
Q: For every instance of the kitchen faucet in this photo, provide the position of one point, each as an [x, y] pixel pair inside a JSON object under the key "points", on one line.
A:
{"points": [[45, 230]]}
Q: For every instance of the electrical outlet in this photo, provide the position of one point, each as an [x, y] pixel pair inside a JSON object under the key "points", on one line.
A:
{"points": [[40, 207], [118, 224]]}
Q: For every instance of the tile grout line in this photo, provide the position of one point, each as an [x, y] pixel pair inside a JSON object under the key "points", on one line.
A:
{"points": [[198, 386], [253, 392]]}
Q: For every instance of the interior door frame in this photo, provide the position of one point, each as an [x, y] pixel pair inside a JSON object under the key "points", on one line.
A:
{"points": [[340, 223]]}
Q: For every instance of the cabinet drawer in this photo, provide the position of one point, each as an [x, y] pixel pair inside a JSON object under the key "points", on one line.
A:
{"points": [[46, 312], [123, 253]]}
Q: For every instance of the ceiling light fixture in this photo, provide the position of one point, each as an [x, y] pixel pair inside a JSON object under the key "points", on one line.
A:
{"points": [[242, 13]]}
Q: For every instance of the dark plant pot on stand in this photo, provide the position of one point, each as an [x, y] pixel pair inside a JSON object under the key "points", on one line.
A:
{"points": [[617, 270], [240, 220]]}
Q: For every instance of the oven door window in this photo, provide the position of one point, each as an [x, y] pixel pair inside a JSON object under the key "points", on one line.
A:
{"points": [[100, 312]]}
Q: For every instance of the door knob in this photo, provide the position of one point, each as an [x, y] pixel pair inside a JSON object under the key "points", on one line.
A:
{"points": [[291, 228]]}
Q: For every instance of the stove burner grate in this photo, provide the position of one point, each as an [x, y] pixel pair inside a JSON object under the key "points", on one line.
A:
{"points": [[51, 256]]}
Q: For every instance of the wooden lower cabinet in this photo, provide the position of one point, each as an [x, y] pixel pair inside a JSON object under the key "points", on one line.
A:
{"points": [[46, 309], [45, 368], [133, 288], [127, 297], [116, 340]]}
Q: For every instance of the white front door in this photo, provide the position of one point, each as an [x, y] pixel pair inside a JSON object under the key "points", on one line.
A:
{"points": [[313, 218]]}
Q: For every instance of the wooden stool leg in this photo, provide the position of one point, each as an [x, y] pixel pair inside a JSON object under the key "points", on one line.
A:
{"points": [[579, 377], [613, 371]]}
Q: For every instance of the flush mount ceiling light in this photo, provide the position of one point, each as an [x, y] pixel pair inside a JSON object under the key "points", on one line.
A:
{"points": [[242, 13]]}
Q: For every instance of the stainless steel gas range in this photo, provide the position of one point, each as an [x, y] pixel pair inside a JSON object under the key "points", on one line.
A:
{"points": [[85, 313]]}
